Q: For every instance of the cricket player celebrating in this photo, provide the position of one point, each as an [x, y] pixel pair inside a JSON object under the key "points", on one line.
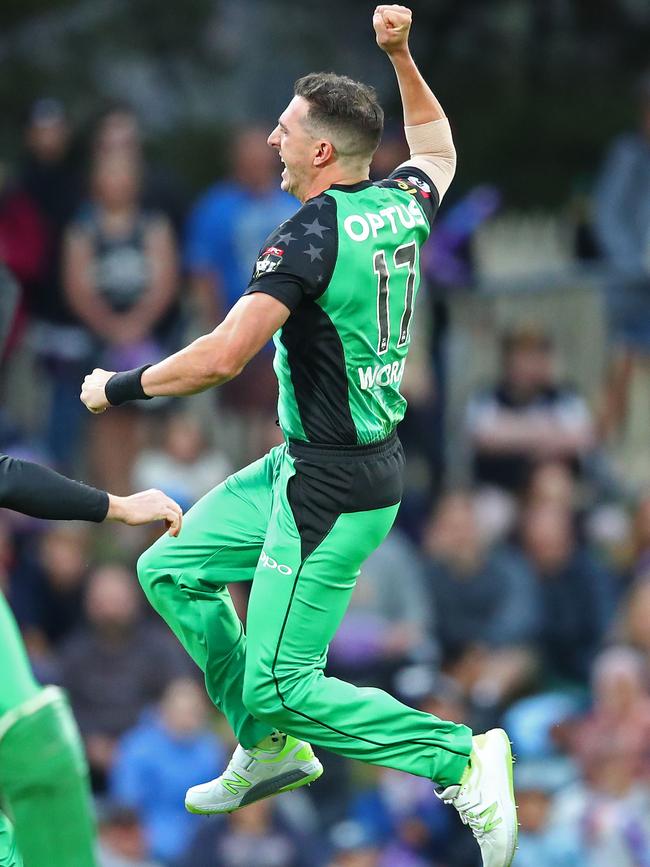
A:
{"points": [[335, 286]]}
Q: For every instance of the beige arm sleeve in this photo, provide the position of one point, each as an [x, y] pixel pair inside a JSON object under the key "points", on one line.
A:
{"points": [[433, 152]]}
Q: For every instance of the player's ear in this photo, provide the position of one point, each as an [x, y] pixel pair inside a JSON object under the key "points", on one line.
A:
{"points": [[325, 153]]}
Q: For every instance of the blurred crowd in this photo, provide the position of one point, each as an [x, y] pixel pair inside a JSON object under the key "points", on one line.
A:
{"points": [[521, 598]]}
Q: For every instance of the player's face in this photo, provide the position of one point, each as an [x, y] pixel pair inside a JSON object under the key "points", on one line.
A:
{"points": [[296, 147]]}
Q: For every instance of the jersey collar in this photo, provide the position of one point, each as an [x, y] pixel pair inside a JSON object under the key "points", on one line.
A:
{"points": [[352, 188]]}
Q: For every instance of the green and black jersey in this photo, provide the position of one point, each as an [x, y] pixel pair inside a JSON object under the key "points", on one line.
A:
{"points": [[347, 265]]}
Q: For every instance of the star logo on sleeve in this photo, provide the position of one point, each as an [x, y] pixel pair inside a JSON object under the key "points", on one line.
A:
{"points": [[319, 202], [314, 253], [315, 228], [286, 238]]}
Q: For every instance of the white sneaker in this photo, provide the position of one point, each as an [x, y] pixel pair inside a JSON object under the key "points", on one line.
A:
{"points": [[485, 798], [256, 774]]}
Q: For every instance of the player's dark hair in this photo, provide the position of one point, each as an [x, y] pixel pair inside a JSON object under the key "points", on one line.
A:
{"points": [[347, 109]]}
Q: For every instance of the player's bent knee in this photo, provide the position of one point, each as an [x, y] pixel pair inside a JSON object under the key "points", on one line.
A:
{"points": [[146, 568], [261, 699]]}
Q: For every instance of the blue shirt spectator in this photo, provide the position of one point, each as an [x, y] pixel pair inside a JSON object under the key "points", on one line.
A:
{"points": [[228, 224], [159, 759]]}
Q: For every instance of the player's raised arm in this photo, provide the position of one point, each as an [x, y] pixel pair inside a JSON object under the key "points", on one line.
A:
{"points": [[425, 124]]}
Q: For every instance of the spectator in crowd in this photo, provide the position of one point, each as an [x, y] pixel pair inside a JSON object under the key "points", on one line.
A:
{"points": [[620, 717], [47, 586], [120, 275], [121, 841], [485, 604], [50, 175], [229, 223], [641, 538], [412, 828], [115, 666], [527, 416], [576, 592], [388, 623], [622, 222], [256, 835], [23, 239], [353, 845], [225, 232], [635, 616], [185, 464], [610, 812], [23, 249], [118, 132], [158, 760], [544, 839]]}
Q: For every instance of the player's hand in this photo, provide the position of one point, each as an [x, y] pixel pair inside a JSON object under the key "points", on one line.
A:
{"points": [[392, 25], [93, 390], [145, 507]]}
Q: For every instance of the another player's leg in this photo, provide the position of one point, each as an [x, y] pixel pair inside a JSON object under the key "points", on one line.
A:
{"points": [[9, 855], [43, 771]]}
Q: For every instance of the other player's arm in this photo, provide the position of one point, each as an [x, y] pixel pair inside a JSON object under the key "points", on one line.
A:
{"points": [[43, 493], [210, 360], [425, 124]]}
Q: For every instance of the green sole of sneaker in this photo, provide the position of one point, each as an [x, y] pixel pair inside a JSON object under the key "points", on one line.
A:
{"points": [[260, 793]]}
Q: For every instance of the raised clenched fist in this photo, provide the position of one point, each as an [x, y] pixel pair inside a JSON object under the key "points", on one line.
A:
{"points": [[392, 25]]}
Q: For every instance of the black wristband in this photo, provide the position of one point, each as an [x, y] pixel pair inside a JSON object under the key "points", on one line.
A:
{"points": [[125, 386]]}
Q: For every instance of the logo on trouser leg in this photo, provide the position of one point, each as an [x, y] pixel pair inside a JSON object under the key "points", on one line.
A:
{"points": [[270, 563]]}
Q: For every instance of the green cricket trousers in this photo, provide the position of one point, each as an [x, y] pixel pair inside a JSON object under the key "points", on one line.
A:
{"points": [[298, 522], [43, 770]]}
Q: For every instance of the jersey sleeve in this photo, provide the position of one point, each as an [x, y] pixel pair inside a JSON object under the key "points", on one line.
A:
{"points": [[42, 493], [414, 181], [297, 260]]}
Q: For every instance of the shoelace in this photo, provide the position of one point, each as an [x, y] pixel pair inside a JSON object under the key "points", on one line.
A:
{"points": [[480, 823]]}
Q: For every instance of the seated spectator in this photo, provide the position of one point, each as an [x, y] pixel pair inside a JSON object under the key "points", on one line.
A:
{"points": [[543, 838], [620, 717], [622, 223], [353, 845], [254, 836], [158, 760], [225, 231], [527, 416], [120, 275], [116, 665], [388, 622], [48, 584], [185, 467], [412, 828], [610, 812], [576, 592], [121, 841], [485, 603]]}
